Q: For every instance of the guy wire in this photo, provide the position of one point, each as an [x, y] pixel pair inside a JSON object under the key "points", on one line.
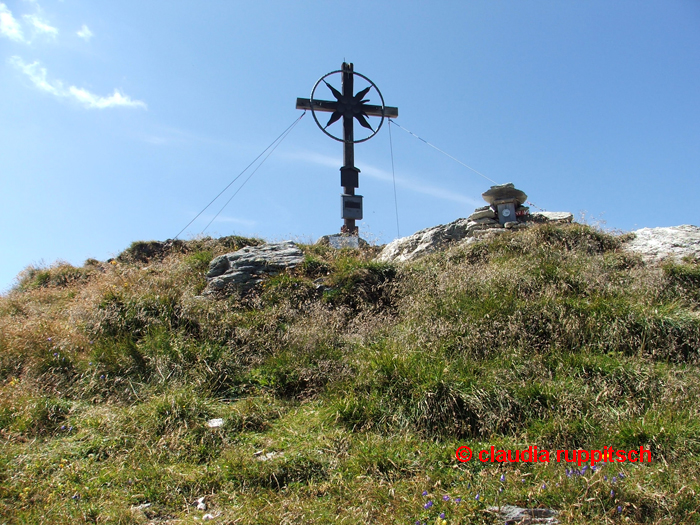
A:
{"points": [[393, 176], [287, 132], [441, 151], [241, 173]]}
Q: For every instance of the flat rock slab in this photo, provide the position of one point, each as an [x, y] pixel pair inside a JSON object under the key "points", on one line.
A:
{"points": [[512, 515], [552, 216], [243, 269], [658, 244], [504, 192], [488, 213], [423, 242], [340, 241]]}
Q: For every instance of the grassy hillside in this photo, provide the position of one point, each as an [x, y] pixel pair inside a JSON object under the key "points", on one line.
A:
{"points": [[347, 385]]}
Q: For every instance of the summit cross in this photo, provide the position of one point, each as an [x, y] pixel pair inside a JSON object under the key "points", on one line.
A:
{"points": [[349, 107]]}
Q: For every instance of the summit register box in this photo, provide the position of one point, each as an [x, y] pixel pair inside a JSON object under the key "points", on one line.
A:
{"points": [[351, 206]]}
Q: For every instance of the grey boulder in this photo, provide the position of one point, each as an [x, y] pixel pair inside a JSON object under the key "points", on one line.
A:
{"points": [[424, 242], [243, 269]]}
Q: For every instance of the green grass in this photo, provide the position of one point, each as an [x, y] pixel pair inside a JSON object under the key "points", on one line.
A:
{"points": [[347, 385]]}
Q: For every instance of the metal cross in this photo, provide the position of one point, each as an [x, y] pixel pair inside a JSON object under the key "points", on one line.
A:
{"points": [[348, 107]]}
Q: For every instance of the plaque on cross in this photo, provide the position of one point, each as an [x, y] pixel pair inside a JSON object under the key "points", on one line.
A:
{"points": [[348, 106]]}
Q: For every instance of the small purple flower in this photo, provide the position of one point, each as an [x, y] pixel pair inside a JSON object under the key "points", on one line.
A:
{"points": [[477, 497], [63, 427], [49, 339], [568, 473], [619, 509], [458, 500], [428, 505], [102, 376], [621, 475], [445, 498], [612, 493], [425, 493], [605, 478], [583, 469], [442, 515], [503, 478], [593, 468], [614, 480], [544, 486], [417, 522]]}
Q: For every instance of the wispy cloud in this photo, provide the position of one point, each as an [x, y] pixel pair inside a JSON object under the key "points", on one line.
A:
{"points": [[90, 100], [9, 27], [40, 26], [38, 76], [85, 33], [383, 175]]}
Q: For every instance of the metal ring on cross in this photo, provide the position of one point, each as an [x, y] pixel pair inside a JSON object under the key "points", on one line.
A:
{"points": [[372, 85]]}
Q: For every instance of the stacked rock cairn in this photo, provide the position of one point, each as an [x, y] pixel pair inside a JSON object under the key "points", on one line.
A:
{"points": [[505, 210]]}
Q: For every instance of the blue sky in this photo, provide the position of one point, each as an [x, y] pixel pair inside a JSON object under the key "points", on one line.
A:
{"points": [[120, 121]]}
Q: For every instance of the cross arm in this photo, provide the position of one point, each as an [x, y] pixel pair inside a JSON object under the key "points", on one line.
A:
{"points": [[325, 105]]}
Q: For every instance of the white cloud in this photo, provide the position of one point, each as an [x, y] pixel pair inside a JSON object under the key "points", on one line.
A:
{"points": [[9, 27], [85, 33], [90, 100], [38, 76], [377, 173], [40, 26]]}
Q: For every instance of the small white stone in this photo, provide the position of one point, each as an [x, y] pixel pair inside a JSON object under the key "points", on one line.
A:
{"points": [[267, 456], [215, 423], [207, 517]]}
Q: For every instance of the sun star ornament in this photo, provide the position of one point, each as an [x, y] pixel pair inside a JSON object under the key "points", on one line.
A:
{"points": [[349, 106]]}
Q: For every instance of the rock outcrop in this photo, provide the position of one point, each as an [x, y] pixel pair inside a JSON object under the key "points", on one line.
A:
{"points": [[424, 242], [675, 242], [485, 221], [243, 269], [467, 230]]}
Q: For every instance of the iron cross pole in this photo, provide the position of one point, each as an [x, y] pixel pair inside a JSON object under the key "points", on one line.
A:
{"points": [[348, 107], [349, 174]]}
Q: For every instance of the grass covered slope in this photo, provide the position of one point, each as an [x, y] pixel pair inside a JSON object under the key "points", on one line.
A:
{"points": [[347, 385]]}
